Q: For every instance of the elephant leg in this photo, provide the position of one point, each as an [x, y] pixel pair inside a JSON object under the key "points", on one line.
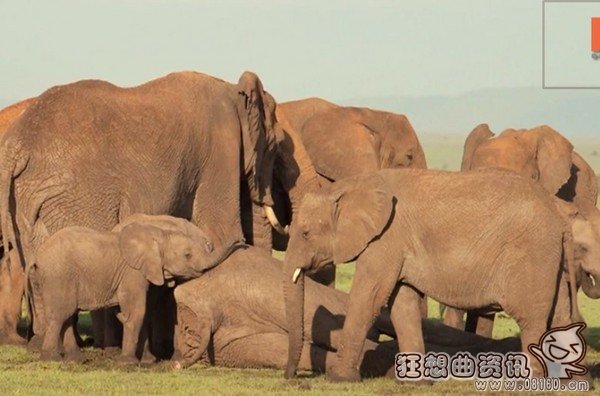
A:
{"points": [[132, 315], [72, 350], [11, 293], [406, 317], [370, 291], [269, 350], [454, 318], [52, 341], [325, 276]]}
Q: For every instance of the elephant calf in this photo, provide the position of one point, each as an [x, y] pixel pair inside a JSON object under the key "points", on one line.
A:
{"points": [[484, 240], [79, 268], [234, 315]]}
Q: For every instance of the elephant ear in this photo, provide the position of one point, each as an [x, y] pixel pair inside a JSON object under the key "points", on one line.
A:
{"points": [[360, 216], [140, 247], [553, 158], [480, 134], [586, 185], [258, 124]]}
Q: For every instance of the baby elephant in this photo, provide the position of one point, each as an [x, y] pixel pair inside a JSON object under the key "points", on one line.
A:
{"points": [[79, 268]]}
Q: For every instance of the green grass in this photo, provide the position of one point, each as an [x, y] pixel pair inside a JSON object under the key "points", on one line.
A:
{"points": [[22, 373]]}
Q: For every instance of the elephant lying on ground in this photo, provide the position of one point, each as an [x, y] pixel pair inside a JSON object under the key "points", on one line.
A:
{"points": [[78, 268], [544, 155], [471, 240], [234, 315], [90, 154]]}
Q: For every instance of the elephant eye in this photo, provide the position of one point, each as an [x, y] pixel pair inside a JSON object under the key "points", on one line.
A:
{"points": [[305, 234], [187, 255]]}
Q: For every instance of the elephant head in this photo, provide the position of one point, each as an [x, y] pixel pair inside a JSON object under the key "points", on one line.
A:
{"points": [[394, 139], [163, 255], [540, 153], [586, 246], [334, 225]]}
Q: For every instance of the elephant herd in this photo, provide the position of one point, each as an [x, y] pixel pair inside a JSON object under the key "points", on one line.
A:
{"points": [[159, 205]]}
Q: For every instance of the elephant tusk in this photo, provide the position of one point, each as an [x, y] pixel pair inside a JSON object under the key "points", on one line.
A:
{"points": [[296, 275], [273, 220]]}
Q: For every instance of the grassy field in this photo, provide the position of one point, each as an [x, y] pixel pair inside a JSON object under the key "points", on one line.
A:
{"points": [[22, 373]]}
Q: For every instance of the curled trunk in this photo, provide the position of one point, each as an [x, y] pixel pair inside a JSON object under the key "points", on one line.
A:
{"points": [[294, 309], [218, 256]]}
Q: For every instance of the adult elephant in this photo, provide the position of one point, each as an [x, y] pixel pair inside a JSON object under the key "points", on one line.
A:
{"points": [[91, 153], [544, 155], [11, 281]]}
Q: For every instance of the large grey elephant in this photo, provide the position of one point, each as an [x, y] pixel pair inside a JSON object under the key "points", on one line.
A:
{"points": [[78, 268], [224, 322], [544, 155], [90, 154], [474, 240]]}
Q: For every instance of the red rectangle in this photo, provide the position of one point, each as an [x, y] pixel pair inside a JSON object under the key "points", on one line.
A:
{"points": [[596, 34]]}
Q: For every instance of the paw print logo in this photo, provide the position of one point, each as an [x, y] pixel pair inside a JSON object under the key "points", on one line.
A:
{"points": [[559, 351]]}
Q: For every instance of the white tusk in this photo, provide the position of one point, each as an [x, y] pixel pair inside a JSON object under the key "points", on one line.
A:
{"points": [[296, 275], [273, 220]]}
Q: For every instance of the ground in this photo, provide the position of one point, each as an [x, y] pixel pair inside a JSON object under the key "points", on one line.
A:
{"points": [[22, 373]]}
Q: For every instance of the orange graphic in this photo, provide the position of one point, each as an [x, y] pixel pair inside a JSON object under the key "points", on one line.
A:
{"points": [[596, 34]]}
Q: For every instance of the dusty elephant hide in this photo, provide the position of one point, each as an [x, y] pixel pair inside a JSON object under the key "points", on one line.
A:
{"points": [[234, 316]]}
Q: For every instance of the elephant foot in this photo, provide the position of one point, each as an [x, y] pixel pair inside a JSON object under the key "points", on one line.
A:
{"points": [[148, 359], [75, 356], [12, 338], [35, 343], [179, 364], [51, 356], [343, 375], [125, 360]]}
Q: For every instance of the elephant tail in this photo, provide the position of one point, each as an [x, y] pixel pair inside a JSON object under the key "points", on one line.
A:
{"points": [[568, 255], [33, 297]]}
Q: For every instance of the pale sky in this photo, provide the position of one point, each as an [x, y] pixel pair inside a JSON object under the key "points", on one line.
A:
{"points": [[333, 49]]}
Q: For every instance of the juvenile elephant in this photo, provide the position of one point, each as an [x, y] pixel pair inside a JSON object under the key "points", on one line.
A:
{"points": [[78, 268], [224, 322], [90, 154], [471, 240], [544, 155]]}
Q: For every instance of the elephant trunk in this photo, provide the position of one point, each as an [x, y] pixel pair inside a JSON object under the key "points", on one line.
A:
{"points": [[218, 256], [293, 287], [590, 285]]}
